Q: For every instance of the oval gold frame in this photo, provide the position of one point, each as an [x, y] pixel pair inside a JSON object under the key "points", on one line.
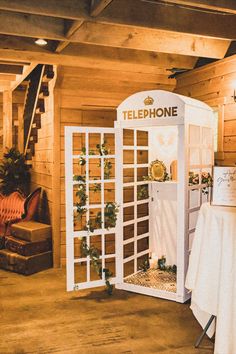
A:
{"points": [[158, 171]]}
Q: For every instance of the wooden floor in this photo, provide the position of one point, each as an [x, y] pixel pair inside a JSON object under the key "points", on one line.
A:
{"points": [[37, 315]]}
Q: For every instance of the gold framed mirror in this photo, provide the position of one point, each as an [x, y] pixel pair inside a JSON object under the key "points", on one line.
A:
{"points": [[158, 171]]}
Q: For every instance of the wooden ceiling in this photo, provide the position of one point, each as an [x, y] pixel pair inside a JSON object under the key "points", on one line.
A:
{"points": [[143, 36]]}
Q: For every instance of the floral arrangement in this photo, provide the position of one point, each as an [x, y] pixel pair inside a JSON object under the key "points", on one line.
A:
{"points": [[206, 178]]}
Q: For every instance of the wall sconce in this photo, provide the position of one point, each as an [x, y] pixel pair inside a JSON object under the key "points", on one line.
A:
{"points": [[234, 96], [234, 88]]}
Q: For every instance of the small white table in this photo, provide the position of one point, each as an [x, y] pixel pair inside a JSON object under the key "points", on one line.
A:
{"points": [[212, 274]]}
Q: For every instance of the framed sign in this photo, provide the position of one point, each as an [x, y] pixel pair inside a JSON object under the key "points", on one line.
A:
{"points": [[224, 186]]}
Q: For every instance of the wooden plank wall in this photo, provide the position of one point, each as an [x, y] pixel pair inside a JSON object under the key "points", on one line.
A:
{"points": [[42, 161], [1, 127], [18, 102], [214, 84], [89, 97]]}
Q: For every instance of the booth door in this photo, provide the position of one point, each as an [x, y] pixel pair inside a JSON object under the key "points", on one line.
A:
{"points": [[133, 194], [90, 201]]}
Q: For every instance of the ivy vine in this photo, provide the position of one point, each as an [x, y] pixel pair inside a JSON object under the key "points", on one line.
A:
{"points": [[93, 254]]}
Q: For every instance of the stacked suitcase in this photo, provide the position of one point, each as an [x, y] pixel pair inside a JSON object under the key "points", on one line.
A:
{"points": [[28, 249]]}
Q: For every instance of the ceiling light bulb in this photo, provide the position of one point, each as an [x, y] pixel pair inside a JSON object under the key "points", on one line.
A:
{"points": [[41, 41]]}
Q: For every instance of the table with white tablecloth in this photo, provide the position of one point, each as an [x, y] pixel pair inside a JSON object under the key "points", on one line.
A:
{"points": [[212, 274]]}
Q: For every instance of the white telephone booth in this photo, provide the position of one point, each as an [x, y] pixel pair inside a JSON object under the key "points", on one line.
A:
{"points": [[161, 152]]}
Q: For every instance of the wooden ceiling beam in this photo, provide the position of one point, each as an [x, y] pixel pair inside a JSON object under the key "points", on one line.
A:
{"points": [[150, 39], [170, 17], [228, 6], [7, 77], [11, 69], [26, 71], [97, 6], [72, 29], [100, 57], [69, 9], [31, 26]]}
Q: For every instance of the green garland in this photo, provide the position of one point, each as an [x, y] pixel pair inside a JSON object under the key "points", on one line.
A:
{"points": [[110, 214], [93, 254]]}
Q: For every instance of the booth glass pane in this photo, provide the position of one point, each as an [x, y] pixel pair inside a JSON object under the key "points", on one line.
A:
{"points": [[78, 141], [77, 248], [96, 242], [194, 156], [128, 175], [143, 244], [207, 136], [142, 138], [194, 198], [128, 137], [193, 219], [109, 192], [128, 213], [194, 135], [110, 263], [143, 227], [142, 173], [190, 240], [128, 268], [94, 168], [128, 157], [142, 156], [94, 142], [80, 270], [128, 194], [128, 232], [79, 168], [128, 249], [109, 168], [109, 141], [142, 210], [110, 247], [95, 193], [206, 157]]}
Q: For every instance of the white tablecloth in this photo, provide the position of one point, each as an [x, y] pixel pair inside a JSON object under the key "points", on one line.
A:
{"points": [[212, 274]]}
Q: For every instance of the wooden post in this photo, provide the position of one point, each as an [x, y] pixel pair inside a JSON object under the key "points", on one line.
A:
{"points": [[7, 119], [20, 129], [56, 188]]}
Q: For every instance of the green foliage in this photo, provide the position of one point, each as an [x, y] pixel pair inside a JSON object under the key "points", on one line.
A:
{"points": [[167, 268], [142, 192], [102, 149], [144, 266], [80, 206], [14, 173], [96, 188], [81, 179], [110, 214], [110, 217], [93, 254]]}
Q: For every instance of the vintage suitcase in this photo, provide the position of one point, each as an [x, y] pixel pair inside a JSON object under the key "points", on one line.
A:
{"points": [[26, 248], [25, 265], [31, 231]]}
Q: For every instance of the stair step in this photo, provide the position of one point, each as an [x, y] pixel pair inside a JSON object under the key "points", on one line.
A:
{"points": [[40, 106], [32, 148], [28, 162], [48, 73], [37, 121], [44, 92]]}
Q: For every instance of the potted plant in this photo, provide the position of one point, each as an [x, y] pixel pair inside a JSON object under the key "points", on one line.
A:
{"points": [[14, 173]]}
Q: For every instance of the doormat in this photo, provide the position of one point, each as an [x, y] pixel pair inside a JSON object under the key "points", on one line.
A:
{"points": [[154, 278]]}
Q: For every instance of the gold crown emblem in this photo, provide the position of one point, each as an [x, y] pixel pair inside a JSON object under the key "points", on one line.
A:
{"points": [[148, 101]]}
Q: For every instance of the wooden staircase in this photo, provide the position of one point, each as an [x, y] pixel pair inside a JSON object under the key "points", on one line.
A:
{"points": [[37, 91]]}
